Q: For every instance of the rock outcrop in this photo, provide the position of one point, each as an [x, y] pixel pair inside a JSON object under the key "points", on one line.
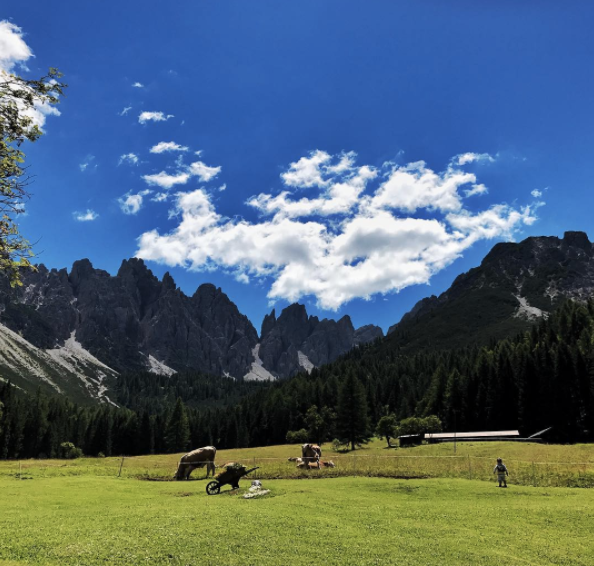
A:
{"points": [[515, 285], [295, 341], [132, 321]]}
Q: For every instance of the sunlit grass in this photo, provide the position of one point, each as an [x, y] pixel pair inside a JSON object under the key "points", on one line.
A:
{"points": [[105, 520], [529, 464]]}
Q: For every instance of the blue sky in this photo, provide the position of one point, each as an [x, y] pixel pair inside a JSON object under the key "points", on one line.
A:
{"points": [[353, 156]]}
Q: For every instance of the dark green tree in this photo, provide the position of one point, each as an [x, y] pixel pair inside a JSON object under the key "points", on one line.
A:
{"points": [[177, 434], [386, 428], [352, 423]]}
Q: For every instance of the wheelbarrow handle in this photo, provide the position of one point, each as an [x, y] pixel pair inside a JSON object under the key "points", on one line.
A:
{"points": [[251, 470]]}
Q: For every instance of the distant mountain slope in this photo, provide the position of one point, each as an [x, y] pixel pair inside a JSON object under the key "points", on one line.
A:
{"points": [[295, 342], [68, 369], [515, 285], [131, 321], [134, 322]]}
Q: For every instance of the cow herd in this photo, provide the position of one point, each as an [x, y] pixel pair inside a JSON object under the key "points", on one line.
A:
{"points": [[205, 457]]}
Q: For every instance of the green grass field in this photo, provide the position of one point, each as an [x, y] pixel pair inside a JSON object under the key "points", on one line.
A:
{"points": [[361, 512], [106, 520], [536, 465]]}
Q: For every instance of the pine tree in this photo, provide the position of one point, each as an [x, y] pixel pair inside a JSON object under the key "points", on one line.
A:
{"points": [[352, 422], [177, 434]]}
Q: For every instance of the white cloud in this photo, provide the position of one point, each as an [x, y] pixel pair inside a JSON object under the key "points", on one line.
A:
{"points": [[125, 110], [415, 186], [203, 171], [88, 164], [183, 172], [349, 240], [138, 85], [160, 197], [87, 216], [307, 172], [464, 158], [14, 52], [130, 158], [145, 117], [13, 49], [162, 147], [132, 203], [478, 189], [165, 180], [536, 193]]}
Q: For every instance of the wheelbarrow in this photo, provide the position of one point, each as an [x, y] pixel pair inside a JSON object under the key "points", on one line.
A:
{"points": [[230, 476]]}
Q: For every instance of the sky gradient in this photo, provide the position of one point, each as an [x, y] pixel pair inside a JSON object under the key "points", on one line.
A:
{"points": [[353, 156]]}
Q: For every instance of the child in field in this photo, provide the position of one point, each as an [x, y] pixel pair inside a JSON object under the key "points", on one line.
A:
{"points": [[501, 472]]}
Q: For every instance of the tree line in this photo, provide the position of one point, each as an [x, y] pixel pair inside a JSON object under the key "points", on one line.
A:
{"points": [[541, 378]]}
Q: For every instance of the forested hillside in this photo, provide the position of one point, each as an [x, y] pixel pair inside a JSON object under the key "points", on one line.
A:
{"points": [[541, 378]]}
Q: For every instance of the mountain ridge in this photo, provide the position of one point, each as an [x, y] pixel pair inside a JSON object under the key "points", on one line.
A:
{"points": [[132, 321]]}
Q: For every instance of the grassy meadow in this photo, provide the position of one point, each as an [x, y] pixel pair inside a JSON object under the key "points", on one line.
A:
{"points": [[106, 520], [530, 464], [414, 506]]}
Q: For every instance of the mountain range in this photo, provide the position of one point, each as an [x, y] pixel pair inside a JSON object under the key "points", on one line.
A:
{"points": [[75, 332]]}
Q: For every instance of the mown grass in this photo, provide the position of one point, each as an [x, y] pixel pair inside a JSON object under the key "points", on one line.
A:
{"points": [[529, 464], [106, 520]]}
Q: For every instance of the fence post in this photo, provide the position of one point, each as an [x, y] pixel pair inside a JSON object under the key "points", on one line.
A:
{"points": [[469, 468], [533, 475], [121, 465], [19, 469]]}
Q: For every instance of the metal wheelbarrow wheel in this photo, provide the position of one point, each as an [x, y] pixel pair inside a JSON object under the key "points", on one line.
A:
{"points": [[213, 488]]}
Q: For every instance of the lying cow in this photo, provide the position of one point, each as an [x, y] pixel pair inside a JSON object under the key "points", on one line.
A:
{"points": [[311, 453], [198, 458], [328, 464]]}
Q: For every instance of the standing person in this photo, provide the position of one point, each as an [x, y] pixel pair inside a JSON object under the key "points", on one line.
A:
{"points": [[501, 471]]}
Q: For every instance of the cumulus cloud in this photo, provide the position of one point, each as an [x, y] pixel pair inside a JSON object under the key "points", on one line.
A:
{"points": [[87, 216], [464, 158], [13, 49], [351, 239], [308, 171], [182, 174], [536, 193], [145, 117], [130, 158], [14, 52], [162, 147], [138, 85], [165, 180], [132, 203], [203, 171]]}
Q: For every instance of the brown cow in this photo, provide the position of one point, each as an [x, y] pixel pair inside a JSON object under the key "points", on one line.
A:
{"points": [[311, 453], [196, 459]]}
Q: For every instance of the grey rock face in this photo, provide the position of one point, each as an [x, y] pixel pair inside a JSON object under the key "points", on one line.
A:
{"points": [[515, 285], [283, 340], [124, 319]]}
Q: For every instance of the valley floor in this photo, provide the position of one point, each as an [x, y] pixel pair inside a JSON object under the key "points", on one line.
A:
{"points": [[110, 520]]}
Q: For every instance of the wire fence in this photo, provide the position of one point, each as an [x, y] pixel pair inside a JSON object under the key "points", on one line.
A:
{"points": [[162, 468]]}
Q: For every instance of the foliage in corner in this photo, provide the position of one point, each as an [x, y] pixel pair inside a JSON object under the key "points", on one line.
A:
{"points": [[19, 98]]}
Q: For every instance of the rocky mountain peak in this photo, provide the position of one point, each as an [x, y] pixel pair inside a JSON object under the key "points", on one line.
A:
{"points": [[268, 323], [294, 341], [578, 240], [515, 285]]}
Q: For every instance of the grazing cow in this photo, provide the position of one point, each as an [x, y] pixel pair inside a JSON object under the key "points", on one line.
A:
{"points": [[309, 465], [311, 453], [198, 458], [328, 464]]}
